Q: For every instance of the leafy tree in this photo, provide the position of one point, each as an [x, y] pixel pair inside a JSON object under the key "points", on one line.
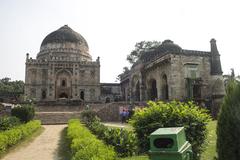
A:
{"points": [[141, 48], [228, 126], [8, 86], [125, 70]]}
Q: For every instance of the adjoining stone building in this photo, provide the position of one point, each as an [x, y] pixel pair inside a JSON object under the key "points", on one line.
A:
{"points": [[170, 72]]}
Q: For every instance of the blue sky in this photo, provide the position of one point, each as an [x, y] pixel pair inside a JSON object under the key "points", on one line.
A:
{"points": [[112, 27]]}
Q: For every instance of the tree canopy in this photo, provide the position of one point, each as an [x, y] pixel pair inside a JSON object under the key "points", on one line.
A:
{"points": [[8, 86], [140, 49]]}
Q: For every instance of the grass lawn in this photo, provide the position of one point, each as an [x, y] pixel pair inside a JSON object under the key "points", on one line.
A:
{"points": [[208, 154], [210, 151]]}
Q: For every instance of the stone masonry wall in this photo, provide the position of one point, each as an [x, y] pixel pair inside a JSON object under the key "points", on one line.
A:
{"points": [[107, 112]]}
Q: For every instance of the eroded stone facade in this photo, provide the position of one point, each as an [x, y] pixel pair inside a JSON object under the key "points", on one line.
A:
{"points": [[170, 72], [63, 69]]}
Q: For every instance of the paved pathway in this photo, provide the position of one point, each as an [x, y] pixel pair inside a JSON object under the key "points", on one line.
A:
{"points": [[44, 147]]}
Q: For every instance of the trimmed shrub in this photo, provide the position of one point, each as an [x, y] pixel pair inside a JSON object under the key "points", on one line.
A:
{"points": [[124, 141], [228, 125], [87, 116], [7, 123], [85, 146], [11, 137], [25, 113], [172, 114]]}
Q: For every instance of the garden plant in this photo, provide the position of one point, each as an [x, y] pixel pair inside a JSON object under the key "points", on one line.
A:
{"points": [[85, 145], [228, 125], [172, 114]]}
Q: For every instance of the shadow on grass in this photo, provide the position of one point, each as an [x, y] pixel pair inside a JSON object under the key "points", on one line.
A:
{"points": [[64, 152]]}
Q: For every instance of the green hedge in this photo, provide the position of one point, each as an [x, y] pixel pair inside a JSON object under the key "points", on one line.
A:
{"points": [[11, 137], [7, 123], [172, 114], [125, 142], [85, 146]]}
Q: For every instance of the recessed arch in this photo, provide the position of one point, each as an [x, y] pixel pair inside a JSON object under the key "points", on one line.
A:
{"points": [[107, 100], [135, 85], [137, 91], [63, 83], [44, 94], [63, 95], [153, 94], [82, 95], [164, 87]]}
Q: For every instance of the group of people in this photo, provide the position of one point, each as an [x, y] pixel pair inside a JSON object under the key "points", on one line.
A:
{"points": [[124, 114]]}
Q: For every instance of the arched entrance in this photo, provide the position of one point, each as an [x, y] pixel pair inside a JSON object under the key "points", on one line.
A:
{"points": [[82, 95], [107, 100], [44, 94], [153, 89], [135, 86], [137, 92], [63, 84], [63, 95], [164, 87]]}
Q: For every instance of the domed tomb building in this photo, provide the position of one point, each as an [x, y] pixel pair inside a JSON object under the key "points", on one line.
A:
{"points": [[63, 69]]}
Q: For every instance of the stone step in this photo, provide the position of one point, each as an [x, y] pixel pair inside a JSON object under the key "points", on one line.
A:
{"points": [[56, 117], [59, 108]]}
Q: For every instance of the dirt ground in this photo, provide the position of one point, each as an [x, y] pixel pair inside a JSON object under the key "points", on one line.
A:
{"points": [[44, 147]]}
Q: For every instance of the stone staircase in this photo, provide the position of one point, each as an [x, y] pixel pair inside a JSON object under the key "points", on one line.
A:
{"points": [[56, 117], [60, 114], [57, 114]]}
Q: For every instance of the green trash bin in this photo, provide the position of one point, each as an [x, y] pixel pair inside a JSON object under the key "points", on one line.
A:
{"points": [[169, 144]]}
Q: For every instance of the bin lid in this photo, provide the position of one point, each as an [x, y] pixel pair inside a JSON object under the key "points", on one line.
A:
{"points": [[167, 131]]}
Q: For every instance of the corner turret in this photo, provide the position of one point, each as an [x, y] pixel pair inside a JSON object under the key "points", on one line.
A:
{"points": [[27, 56], [216, 68]]}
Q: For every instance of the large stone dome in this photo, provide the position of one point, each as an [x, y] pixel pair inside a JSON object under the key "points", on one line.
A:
{"points": [[64, 42], [64, 34]]}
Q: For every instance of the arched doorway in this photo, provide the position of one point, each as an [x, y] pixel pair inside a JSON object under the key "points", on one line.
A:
{"points": [[82, 95], [63, 84], [107, 100], [135, 88], [153, 89], [44, 94], [63, 95], [137, 92], [164, 87]]}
